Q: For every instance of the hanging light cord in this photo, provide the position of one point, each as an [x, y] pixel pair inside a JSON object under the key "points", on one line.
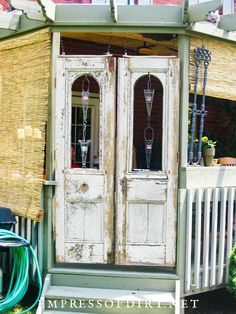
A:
{"points": [[19, 281]]}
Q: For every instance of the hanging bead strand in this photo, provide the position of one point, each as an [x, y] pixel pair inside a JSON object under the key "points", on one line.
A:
{"points": [[84, 144], [148, 131]]}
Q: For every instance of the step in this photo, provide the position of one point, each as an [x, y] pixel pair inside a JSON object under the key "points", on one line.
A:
{"points": [[96, 300], [114, 279]]}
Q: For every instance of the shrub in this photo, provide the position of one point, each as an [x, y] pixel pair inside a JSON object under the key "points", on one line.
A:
{"points": [[232, 271]]}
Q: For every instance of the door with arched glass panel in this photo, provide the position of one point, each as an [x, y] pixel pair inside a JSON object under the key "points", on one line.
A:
{"points": [[147, 146], [116, 205], [85, 132]]}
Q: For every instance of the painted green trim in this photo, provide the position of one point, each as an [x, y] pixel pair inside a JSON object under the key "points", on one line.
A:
{"points": [[183, 54], [113, 282], [47, 229], [127, 15], [26, 26], [200, 11], [181, 238], [185, 11], [49, 252], [119, 29], [68, 269], [228, 22], [217, 34]]}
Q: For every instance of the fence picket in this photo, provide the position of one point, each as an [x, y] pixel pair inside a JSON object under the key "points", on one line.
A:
{"points": [[190, 195], [206, 230], [215, 200], [221, 255]]}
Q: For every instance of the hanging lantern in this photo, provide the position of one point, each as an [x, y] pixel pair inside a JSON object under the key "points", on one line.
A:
{"points": [[84, 144], [84, 151], [148, 141], [148, 95]]}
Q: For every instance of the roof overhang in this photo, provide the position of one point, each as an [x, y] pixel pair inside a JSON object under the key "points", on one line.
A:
{"points": [[116, 18]]}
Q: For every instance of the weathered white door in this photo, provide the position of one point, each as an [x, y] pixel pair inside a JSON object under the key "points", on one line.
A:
{"points": [[84, 196], [146, 199]]}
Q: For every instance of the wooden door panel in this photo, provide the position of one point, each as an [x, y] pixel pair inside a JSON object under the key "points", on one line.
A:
{"points": [[145, 255], [84, 197], [145, 223], [146, 199], [81, 187], [84, 222], [146, 189]]}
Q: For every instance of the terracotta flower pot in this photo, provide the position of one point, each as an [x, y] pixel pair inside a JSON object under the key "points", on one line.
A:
{"points": [[208, 156]]}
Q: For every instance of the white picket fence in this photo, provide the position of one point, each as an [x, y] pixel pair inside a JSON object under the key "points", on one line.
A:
{"points": [[211, 233]]}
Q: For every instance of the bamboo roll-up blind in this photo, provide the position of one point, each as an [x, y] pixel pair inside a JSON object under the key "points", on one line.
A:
{"points": [[221, 78], [24, 92]]}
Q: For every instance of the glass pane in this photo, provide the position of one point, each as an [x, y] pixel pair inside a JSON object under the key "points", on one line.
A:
{"points": [[85, 130], [147, 133]]}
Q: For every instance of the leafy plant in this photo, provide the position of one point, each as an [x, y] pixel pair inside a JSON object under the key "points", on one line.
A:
{"points": [[206, 143], [232, 271]]}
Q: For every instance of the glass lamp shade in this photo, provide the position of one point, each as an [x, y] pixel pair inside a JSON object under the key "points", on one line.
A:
{"points": [[85, 103], [148, 95], [84, 151]]}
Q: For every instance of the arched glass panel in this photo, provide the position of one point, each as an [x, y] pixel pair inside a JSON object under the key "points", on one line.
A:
{"points": [[85, 123], [147, 132]]}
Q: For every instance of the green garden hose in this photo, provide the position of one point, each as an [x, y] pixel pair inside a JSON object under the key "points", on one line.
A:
{"points": [[19, 281]]}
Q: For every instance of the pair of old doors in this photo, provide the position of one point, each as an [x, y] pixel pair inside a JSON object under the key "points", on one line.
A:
{"points": [[116, 213]]}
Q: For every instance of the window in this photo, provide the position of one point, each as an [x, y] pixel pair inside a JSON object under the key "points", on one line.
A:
{"points": [[91, 130], [141, 123]]}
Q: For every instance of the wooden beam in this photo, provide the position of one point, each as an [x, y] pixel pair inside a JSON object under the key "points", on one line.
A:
{"points": [[200, 12], [25, 25], [210, 29], [114, 11], [185, 11], [228, 22], [48, 9], [130, 15], [32, 10], [9, 20]]}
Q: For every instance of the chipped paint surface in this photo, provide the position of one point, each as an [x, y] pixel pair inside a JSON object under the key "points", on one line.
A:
{"points": [[84, 216], [146, 201]]}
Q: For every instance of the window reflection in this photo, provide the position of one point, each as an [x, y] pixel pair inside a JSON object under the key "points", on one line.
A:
{"points": [[140, 124], [92, 125]]}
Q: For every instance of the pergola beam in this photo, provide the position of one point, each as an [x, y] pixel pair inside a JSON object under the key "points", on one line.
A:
{"points": [[9, 20], [48, 9], [199, 12], [31, 9], [211, 29], [228, 22], [126, 15], [114, 10]]}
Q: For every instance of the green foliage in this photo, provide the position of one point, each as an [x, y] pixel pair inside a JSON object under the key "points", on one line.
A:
{"points": [[18, 309], [232, 271], [206, 143]]}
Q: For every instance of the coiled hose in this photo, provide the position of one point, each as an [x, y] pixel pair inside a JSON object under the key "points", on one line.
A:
{"points": [[19, 281]]}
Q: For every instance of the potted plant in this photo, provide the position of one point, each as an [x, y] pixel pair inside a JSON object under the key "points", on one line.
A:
{"points": [[208, 151]]}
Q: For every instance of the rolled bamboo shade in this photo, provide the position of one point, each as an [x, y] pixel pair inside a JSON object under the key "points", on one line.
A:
{"points": [[221, 78], [24, 92]]}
